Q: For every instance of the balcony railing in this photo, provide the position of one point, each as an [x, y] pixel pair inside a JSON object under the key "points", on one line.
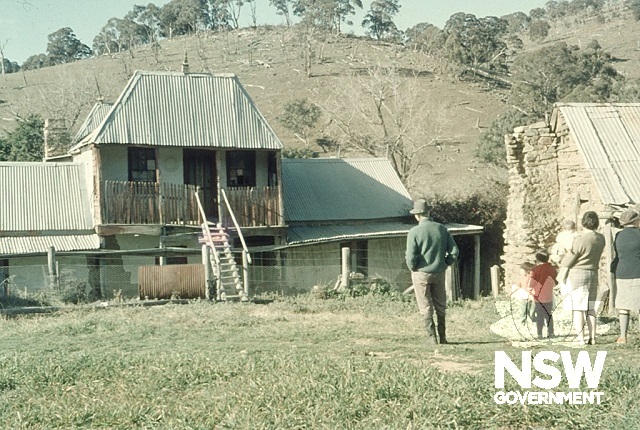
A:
{"points": [[253, 207], [125, 202]]}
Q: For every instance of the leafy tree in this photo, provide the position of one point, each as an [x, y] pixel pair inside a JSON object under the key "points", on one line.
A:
{"points": [[149, 18], [556, 9], [379, 19], [560, 72], [283, 7], [317, 13], [221, 12], [517, 22], [599, 78], [491, 149], [538, 30], [64, 47], [6, 65], [301, 116], [119, 35], [9, 66], [537, 13], [344, 8], [26, 142], [627, 91], [475, 41], [106, 42], [36, 61], [425, 37], [233, 8], [326, 14], [634, 5], [179, 17]]}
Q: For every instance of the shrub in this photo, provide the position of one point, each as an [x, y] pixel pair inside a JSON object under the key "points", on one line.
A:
{"points": [[491, 149]]}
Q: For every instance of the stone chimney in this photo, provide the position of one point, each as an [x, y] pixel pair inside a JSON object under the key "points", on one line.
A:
{"points": [[56, 138], [185, 64]]}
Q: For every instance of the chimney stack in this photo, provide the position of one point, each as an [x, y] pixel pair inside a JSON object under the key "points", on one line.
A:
{"points": [[56, 138], [185, 64]]}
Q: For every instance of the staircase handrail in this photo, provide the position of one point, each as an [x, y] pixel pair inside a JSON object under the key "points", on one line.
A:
{"points": [[235, 223], [207, 231]]}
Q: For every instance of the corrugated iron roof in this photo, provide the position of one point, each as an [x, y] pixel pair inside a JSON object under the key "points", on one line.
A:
{"points": [[608, 136], [37, 197], [41, 244], [96, 116], [178, 109], [310, 234], [332, 189]]}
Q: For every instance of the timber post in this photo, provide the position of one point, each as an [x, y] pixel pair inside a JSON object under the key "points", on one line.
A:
{"points": [[346, 268], [476, 267], [245, 272], [209, 281], [51, 263], [495, 281]]}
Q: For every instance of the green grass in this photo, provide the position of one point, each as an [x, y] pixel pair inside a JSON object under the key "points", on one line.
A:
{"points": [[354, 363]]}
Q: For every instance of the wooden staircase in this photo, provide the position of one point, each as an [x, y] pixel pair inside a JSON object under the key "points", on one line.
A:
{"points": [[229, 285]]}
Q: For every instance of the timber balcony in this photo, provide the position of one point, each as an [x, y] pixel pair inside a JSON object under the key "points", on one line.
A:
{"points": [[126, 202]]}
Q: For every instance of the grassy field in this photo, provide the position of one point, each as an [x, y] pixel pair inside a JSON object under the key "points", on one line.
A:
{"points": [[351, 363]]}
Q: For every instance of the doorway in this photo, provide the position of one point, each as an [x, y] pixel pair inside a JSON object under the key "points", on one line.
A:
{"points": [[200, 170]]}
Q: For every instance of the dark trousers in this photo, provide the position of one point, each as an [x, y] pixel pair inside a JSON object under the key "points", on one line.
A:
{"points": [[544, 314]]}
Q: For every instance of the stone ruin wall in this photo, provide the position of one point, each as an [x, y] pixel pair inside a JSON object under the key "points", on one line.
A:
{"points": [[533, 214], [548, 183]]}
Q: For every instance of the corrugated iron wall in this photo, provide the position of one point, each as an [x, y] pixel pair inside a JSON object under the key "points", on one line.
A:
{"points": [[185, 281]]}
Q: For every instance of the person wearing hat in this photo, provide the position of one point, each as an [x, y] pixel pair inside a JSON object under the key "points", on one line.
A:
{"points": [[626, 268], [430, 250]]}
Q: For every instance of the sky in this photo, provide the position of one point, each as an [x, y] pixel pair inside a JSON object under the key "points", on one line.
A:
{"points": [[25, 24]]}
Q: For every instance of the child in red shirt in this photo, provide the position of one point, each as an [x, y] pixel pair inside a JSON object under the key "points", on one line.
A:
{"points": [[543, 279]]}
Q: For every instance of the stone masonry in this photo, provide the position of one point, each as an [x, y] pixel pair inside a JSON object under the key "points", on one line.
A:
{"points": [[548, 183]]}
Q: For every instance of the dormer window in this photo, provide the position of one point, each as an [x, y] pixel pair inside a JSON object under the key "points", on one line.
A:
{"points": [[241, 169], [142, 164]]}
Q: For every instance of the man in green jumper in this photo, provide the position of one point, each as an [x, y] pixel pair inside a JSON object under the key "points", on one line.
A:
{"points": [[430, 250]]}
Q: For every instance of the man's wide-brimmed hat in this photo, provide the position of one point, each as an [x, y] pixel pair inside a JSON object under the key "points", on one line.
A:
{"points": [[420, 206], [629, 217]]}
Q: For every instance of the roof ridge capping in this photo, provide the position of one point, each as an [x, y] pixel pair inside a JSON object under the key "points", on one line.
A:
{"points": [[592, 104], [180, 73], [328, 159], [40, 163]]}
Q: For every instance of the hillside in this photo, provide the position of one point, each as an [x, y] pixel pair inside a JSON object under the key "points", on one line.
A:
{"points": [[269, 63]]}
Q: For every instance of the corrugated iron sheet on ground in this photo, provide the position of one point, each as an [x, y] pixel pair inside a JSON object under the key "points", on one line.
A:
{"points": [[608, 136], [163, 282]]}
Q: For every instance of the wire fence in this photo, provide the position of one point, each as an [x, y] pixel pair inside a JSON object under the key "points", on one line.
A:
{"points": [[82, 279]]}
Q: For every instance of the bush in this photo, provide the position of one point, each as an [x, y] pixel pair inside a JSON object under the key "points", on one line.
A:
{"points": [[373, 287], [486, 207], [299, 153], [491, 148]]}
